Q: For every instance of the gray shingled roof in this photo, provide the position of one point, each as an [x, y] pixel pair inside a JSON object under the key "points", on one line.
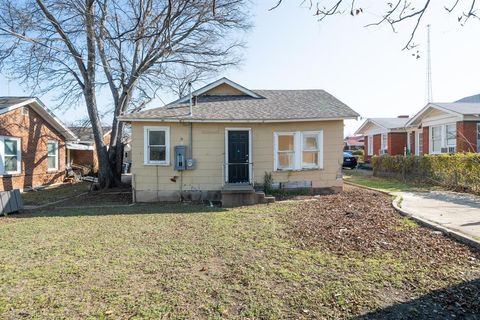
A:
{"points": [[274, 105], [390, 123], [475, 99], [86, 133], [6, 102], [464, 108]]}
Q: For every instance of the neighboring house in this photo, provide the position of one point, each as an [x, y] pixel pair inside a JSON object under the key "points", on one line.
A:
{"points": [[384, 136], [82, 153], [446, 128], [354, 143], [233, 136], [32, 144]]}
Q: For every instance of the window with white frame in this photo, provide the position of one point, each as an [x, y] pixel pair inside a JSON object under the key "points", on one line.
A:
{"points": [[370, 145], [157, 145], [52, 155], [298, 150], [420, 143], [436, 139], [451, 135], [310, 150], [285, 151], [384, 141], [10, 149]]}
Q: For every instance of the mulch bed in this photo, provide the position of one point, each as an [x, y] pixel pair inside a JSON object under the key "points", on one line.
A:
{"points": [[363, 223]]}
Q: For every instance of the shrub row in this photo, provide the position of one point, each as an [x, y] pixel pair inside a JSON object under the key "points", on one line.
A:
{"points": [[456, 171]]}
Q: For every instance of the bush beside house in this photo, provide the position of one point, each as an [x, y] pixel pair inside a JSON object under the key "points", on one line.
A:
{"points": [[457, 171]]}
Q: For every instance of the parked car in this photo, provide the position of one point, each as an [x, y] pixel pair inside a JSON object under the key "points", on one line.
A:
{"points": [[349, 161]]}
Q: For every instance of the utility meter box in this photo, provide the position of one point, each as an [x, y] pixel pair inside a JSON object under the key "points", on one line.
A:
{"points": [[191, 164], [180, 157]]}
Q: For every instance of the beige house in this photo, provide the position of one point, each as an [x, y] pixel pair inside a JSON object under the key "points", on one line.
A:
{"points": [[218, 143]]}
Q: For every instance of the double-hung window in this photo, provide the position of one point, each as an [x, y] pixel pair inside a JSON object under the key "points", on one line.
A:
{"points": [[157, 145], [436, 139], [384, 143], [52, 155], [298, 150], [370, 145], [10, 149], [286, 151], [451, 135], [420, 144]]}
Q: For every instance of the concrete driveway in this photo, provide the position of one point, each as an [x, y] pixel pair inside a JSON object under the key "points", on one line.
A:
{"points": [[456, 211]]}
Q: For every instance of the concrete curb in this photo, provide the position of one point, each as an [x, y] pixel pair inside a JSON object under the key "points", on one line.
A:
{"points": [[460, 237]]}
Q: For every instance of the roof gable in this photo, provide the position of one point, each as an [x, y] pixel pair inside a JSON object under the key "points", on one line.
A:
{"points": [[384, 124], [8, 104], [221, 87], [459, 109]]}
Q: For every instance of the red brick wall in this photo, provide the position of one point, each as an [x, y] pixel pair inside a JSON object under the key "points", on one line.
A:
{"points": [[377, 144], [426, 140], [86, 158], [397, 141], [365, 149], [34, 133], [466, 136]]}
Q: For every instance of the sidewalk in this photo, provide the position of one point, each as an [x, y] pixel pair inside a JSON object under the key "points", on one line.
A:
{"points": [[455, 211]]}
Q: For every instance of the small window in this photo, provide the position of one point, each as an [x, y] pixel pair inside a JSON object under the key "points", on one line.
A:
{"points": [[436, 139], [11, 155], [370, 145], [157, 145], [52, 155], [286, 151], [384, 143], [451, 134], [311, 150], [420, 144]]}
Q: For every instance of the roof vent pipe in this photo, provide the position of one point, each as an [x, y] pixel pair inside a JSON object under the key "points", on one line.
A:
{"points": [[191, 102]]}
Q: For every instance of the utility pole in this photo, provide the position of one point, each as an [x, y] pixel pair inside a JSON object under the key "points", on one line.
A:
{"points": [[429, 68]]}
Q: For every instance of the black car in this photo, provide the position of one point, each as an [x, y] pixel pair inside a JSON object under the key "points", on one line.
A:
{"points": [[349, 161]]}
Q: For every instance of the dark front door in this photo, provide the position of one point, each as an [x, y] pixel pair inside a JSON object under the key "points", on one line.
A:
{"points": [[238, 159]]}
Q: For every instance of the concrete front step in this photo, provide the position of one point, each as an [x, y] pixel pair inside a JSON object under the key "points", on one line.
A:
{"points": [[235, 196]]}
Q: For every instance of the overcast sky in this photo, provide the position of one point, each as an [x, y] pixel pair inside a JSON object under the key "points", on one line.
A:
{"points": [[364, 67]]}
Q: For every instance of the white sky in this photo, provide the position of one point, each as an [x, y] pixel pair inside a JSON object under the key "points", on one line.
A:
{"points": [[364, 67]]}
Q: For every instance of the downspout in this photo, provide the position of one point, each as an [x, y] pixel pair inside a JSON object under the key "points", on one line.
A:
{"points": [[191, 123]]}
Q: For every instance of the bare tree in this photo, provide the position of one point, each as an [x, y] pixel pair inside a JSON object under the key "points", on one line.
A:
{"points": [[131, 48], [395, 12]]}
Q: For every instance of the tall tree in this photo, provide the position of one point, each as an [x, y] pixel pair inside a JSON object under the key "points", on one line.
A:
{"points": [[131, 48], [394, 13]]}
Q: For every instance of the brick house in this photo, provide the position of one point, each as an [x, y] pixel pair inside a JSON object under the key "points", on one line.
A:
{"points": [[32, 144], [446, 128], [82, 153], [384, 136]]}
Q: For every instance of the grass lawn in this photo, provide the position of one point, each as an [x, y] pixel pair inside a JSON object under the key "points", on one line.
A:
{"points": [[384, 184], [320, 258], [55, 193]]}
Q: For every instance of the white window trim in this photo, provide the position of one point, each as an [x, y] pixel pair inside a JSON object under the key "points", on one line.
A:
{"points": [[298, 150], [146, 154], [370, 145], [2, 155], [455, 140], [443, 139], [56, 155], [417, 143], [384, 142]]}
